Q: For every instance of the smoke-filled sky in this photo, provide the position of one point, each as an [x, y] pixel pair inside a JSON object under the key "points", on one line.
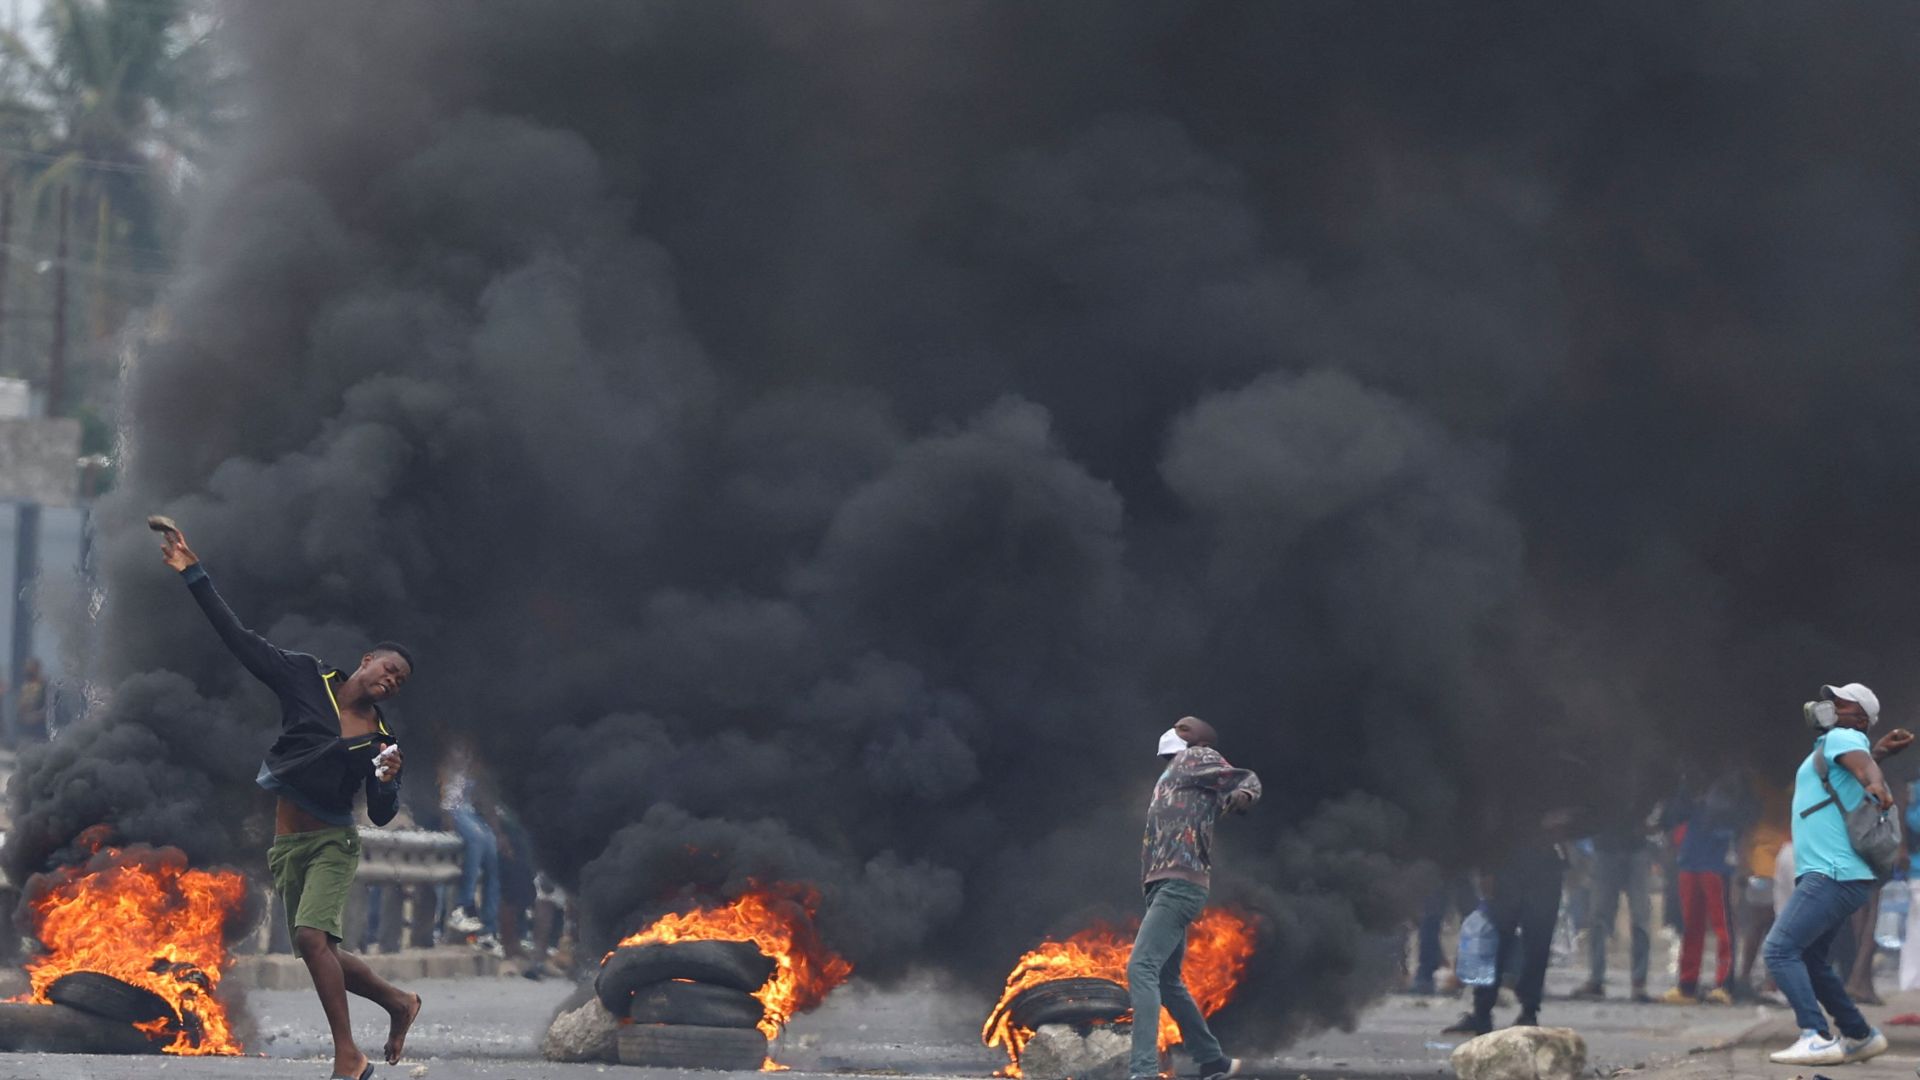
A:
{"points": [[831, 441]]}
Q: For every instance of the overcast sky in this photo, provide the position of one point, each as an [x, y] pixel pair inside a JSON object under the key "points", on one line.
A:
{"points": [[23, 15]]}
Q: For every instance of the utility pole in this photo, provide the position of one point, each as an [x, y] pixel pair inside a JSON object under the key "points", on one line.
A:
{"points": [[26, 543], [27, 535], [6, 257], [57, 361], [26, 564]]}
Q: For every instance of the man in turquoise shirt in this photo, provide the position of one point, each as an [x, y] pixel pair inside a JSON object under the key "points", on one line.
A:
{"points": [[1832, 881]]}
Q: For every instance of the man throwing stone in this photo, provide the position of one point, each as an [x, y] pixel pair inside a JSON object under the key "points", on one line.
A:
{"points": [[1176, 860], [333, 743], [1833, 880]]}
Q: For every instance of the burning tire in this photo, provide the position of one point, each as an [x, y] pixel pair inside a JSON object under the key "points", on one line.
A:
{"points": [[698, 1004], [109, 998], [685, 1046], [736, 964], [1069, 1001], [57, 1029]]}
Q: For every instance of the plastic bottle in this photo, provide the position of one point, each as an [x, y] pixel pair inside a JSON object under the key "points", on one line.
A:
{"points": [[1479, 949], [1890, 929]]}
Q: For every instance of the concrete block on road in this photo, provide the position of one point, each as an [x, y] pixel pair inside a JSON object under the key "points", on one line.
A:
{"points": [[1522, 1053]]}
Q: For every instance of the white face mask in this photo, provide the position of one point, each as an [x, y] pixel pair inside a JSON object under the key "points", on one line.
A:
{"points": [[1171, 743], [1821, 715]]}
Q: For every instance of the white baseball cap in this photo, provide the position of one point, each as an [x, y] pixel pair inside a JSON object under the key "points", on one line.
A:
{"points": [[1859, 695], [1171, 743]]}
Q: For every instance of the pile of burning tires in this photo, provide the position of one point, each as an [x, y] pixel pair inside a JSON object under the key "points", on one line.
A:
{"points": [[688, 1004], [90, 1013]]}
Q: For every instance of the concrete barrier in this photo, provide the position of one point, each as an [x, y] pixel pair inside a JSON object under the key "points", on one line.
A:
{"points": [[282, 972]]}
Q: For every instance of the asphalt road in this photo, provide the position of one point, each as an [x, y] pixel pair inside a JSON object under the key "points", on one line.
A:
{"points": [[490, 1028]]}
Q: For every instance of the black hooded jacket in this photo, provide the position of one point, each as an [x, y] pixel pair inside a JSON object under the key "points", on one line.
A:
{"points": [[310, 763]]}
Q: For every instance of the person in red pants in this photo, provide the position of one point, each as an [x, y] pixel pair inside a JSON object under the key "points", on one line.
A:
{"points": [[1705, 830]]}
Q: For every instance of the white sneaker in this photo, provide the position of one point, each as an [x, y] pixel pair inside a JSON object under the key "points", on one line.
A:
{"points": [[1812, 1049], [1224, 1069], [490, 945], [461, 922], [1872, 1046]]}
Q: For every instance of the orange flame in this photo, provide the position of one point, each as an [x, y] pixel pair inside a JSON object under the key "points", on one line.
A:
{"points": [[780, 921], [143, 917], [1219, 944]]}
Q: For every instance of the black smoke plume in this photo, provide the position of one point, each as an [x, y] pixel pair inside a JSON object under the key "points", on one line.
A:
{"points": [[838, 437]]}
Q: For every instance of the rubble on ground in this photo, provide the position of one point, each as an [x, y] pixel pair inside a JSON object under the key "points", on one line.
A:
{"points": [[1522, 1053], [1059, 1052]]}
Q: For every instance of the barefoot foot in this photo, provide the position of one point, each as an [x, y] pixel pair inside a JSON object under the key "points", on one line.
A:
{"points": [[397, 1032]]}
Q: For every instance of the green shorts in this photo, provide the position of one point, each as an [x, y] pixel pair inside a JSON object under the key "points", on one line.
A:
{"points": [[313, 873]]}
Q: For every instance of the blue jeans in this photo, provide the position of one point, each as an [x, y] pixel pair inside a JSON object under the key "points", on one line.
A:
{"points": [[1154, 979], [1796, 952], [483, 853]]}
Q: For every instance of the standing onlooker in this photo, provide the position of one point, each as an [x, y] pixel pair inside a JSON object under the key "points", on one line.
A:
{"points": [[1910, 950], [550, 933], [1454, 895], [1576, 906], [1834, 881], [480, 863], [1756, 905], [1523, 898], [33, 701], [1783, 879], [1706, 830], [517, 890], [1622, 863]]}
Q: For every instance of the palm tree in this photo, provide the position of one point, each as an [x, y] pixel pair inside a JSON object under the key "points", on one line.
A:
{"points": [[111, 106]]}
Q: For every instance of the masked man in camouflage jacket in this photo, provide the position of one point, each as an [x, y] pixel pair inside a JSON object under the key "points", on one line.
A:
{"points": [[1176, 864]]}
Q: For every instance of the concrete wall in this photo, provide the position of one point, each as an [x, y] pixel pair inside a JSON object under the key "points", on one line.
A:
{"points": [[40, 461], [60, 535]]}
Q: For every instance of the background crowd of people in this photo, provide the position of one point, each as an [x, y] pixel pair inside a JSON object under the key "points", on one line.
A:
{"points": [[1701, 870], [503, 903]]}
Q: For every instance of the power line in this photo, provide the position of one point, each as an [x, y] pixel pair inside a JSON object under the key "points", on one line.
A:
{"points": [[123, 249], [156, 258], [120, 247], [68, 159], [95, 248], [31, 257]]}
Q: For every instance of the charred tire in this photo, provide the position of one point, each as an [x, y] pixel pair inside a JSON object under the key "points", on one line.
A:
{"points": [[57, 1029], [737, 964], [109, 998], [1069, 1001], [686, 1046], [699, 1004]]}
